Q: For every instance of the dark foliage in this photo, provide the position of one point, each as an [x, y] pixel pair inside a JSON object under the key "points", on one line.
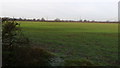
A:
{"points": [[27, 57], [12, 34], [57, 20], [17, 50]]}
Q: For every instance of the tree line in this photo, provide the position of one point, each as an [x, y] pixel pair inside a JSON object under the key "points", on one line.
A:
{"points": [[55, 20]]}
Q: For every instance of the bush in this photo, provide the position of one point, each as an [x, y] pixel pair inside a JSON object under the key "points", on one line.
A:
{"points": [[12, 34], [17, 50]]}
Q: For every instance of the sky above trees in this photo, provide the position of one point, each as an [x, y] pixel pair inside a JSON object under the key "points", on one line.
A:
{"points": [[64, 9]]}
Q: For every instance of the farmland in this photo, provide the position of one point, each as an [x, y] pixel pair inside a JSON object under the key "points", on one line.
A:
{"points": [[95, 41]]}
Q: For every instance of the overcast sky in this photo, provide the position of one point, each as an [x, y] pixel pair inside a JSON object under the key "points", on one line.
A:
{"points": [[63, 9]]}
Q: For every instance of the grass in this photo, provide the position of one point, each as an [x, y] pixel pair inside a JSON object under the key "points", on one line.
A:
{"points": [[95, 41], [0, 45]]}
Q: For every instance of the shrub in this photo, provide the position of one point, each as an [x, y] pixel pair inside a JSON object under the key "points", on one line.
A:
{"points": [[12, 34], [17, 50]]}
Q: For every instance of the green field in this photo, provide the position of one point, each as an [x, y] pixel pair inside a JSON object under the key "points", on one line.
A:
{"points": [[95, 41]]}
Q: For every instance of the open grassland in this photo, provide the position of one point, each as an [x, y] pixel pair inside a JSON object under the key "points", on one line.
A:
{"points": [[95, 41]]}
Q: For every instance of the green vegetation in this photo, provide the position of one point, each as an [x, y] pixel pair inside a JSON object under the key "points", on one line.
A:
{"points": [[18, 52], [82, 62], [97, 42]]}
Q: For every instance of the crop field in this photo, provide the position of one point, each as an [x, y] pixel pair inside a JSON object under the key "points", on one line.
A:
{"points": [[97, 42]]}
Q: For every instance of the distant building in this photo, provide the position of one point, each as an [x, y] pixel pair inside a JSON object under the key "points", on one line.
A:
{"points": [[119, 11]]}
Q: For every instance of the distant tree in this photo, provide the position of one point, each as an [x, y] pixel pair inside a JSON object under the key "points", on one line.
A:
{"points": [[38, 19], [92, 21], [42, 19], [24, 19], [85, 20], [80, 20], [57, 20], [107, 21], [20, 19], [34, 19]]}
